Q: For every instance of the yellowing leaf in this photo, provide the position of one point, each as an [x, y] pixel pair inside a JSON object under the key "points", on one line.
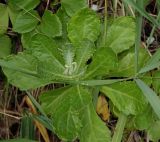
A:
{"points": [[102, 108]]}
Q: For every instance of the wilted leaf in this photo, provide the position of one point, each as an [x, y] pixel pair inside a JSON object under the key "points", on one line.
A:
{"points": [[85, 24], [102, 108]]}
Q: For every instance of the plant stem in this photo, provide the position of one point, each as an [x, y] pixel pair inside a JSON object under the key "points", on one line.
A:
{"points": [[117, 137], [138, 35], [105, 25], [96, 90]]}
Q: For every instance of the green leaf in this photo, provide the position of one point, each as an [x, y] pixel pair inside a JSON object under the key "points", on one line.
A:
{"points": [[47, 52], [84, 51], [156, 80], [26, 5], [26, 39], [4, 18], [126, 66], [126, 97], [154, 131], [150, 95], [152, 63], [21, 71], [26, 21], [94, 130], [72, 6], [50, 24], [66, 105], [121, 34], [103, 61], [13, 13], [85, 24], [145, 119], [5, 46]]}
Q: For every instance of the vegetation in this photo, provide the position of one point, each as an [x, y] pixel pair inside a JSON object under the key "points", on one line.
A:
{"points": [[79, 71]]}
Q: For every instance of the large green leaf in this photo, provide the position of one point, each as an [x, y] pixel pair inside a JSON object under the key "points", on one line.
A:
{"points": [[94, 130], [50, 24], [26, 21], [66, 105], [126, 63], [5, 46], [126, 97], [21, 71], [24, 4], [46, 50], [121, 34], [103, 61], [72, 6], [4, 18], [85, 24]]}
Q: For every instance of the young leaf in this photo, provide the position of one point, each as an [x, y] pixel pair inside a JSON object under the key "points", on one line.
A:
{"points": [[4, 18], [116, 34], [5, 46], [26, 21], [66, 105], [127, 100], [85, 24], [150, 95], [72, 6], [21, 71], [50, 24], [94, 130], [84, 51], [26, 5], [103, 61]]}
